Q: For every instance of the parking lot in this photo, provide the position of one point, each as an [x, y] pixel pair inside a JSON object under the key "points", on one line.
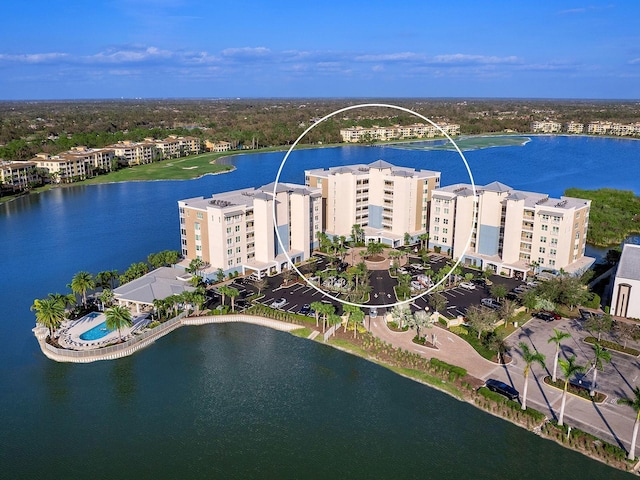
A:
{"points": [[297, 293]]}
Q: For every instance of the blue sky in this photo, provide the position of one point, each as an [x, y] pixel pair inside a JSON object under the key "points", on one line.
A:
{"points": [[250, 48]]}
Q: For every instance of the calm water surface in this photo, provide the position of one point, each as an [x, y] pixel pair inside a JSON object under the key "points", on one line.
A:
{"points": [[240, 401]]}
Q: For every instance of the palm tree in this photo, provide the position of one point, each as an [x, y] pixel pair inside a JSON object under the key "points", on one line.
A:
{"points": [[599, 354], [569, 369], [106, 297], [529, 358], [557, 338], [260, 284], [49, 313], [635, 404], [80, 283], [224, 291], [66, 300], [317, 307], [117, 317], [356, 315], [233, 293]]}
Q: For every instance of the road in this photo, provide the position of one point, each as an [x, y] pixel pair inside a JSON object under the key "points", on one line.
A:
{"points": [[609, 420]]}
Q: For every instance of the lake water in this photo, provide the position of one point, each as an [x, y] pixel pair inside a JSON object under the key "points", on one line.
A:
{"points": [[238, 401]]}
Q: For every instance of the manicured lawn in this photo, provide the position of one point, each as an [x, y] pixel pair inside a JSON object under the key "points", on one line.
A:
{"points": [[176, 169]]}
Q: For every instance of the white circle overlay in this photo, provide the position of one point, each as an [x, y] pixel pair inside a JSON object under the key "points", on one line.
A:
{"points": [[285, 250]]}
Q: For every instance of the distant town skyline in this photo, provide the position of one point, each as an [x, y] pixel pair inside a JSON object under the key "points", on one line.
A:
{"points": [[198, 48]]}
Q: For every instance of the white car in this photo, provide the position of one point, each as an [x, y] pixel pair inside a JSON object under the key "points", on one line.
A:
{"points": [[279, 303], [373, 312], [467, 285]]}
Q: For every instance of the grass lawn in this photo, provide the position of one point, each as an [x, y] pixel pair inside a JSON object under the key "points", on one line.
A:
{"points": [[176, 169]]}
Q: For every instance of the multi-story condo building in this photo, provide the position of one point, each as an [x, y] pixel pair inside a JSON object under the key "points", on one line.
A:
{"points": [[176, 147], [235, 231], [76, 164], [510, 231], [625, 300], [574, 127], [599, 128], [218, 146], [387, 201], [135, 153], [397, 132], [546, 126], [18, 175], [62, 168]]}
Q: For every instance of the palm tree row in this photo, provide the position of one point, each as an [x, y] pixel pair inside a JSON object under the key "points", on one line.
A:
{"points": [[569, 368]]}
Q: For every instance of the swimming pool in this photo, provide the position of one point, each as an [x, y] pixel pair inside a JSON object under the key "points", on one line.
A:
{"points": [[97, 332]]}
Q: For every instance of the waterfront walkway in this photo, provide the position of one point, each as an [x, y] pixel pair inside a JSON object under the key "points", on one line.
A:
{"points": [[608, 420]]}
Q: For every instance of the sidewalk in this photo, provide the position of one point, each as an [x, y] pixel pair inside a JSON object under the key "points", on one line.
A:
{"points": [[608, 421]]}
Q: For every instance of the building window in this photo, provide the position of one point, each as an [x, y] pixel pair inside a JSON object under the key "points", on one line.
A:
{"points": [[196, 226], [237, 239], [541, 250], [238, 249], [555, 230], [437, 209], [445, 221], [543, 239], [545, 228], [198, 248], [199, 215], [229, 251], [437, 219], [445, 230], [197, 237]]}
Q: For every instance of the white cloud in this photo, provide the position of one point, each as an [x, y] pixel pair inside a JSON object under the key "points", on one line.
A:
{"points": [[465, 59], [34, 57]]}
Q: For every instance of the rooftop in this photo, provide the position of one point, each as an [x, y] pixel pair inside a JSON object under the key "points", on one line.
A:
{"points": [[629, 266]]}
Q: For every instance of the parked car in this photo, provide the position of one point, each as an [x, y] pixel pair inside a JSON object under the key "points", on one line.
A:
{"points": [[490, 302], [548, 316], [373, 312], [502, 388], [305, 309], [467, 285], [279, 303], [416, 285]]}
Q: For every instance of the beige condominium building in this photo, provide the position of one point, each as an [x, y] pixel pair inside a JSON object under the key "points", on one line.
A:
{"points": [[387, 201], [510, 231], [625, 300], [18, 175], [235, 231], [76, 164], [136, 153]]}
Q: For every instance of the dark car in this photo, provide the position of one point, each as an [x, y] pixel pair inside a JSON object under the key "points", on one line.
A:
{"points": [[305, 309], [502, 388], [547, 316]]}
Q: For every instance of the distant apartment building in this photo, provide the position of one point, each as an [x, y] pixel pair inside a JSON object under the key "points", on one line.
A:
{"points": [[386, 200], [175, 147], [510, 231], [18, 175], [218, 146], [546, 126], [599, 128], [397, 132], [136, 153], [235, 231], [625, 300], [76, 164], [574, 127]]}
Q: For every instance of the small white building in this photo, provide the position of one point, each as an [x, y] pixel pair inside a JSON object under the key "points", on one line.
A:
{"points": [[625, 300]]}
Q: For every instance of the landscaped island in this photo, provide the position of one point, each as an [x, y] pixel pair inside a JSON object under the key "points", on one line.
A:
{"points": [[614, 215]]}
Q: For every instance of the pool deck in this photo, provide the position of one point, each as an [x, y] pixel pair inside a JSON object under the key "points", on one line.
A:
{"points": [[71, 330]]}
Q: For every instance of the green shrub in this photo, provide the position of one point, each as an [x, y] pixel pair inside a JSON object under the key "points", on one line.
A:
{"points": [[460, 330]]}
